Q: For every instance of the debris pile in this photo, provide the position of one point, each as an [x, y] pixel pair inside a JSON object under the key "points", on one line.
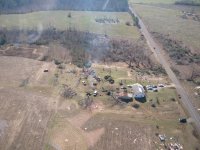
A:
{"points": [[67, 92], [169, 143], [109, 79], [107, 20], [175, 146]]}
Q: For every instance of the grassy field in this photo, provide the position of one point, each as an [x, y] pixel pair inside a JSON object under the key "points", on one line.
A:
{"points": [[158, 1], [169, 21], [84, 21], [153, 1]]}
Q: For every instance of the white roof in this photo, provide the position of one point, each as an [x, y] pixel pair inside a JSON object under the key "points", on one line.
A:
{"points": [[137, 88]]}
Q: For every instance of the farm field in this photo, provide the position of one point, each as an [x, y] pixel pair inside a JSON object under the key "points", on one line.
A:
{"points": [[153, 1], [169, 22], [158, 1], [86, 78], [81, 20]]}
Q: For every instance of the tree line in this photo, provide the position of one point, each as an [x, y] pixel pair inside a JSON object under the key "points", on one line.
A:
{"points": [[188, 2], [84, 46], [22, 6]]}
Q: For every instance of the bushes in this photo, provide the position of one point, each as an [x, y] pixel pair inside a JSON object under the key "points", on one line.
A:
{"points": [[158, 69], [128, 23], [85, 103], [79, 47], [57, 62], [67, 92], [69, 15], [177, 51], [136, 106], [2, 38]]}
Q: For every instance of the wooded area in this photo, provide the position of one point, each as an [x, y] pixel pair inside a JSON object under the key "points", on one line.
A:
{"points": [[188, 2], [23, 6], [84, 46]]}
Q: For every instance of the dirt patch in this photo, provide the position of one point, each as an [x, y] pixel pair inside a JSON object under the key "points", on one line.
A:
{"points": [[120, 135], [21, 52], [94, 136], [3, 126], [26, 118], [80, 119], [15, 69]]}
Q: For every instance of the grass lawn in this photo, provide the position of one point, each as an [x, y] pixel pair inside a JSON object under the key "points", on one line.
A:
{"points": [[84, 21], [169, 21]]}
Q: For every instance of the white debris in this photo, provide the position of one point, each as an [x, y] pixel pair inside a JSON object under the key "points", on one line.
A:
{"points": [[66, 140], [85, 128], [135, 140], [162, 137], [116, 128]]}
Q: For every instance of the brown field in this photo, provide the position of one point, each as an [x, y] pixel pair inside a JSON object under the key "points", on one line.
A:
{"points": [[25, 116], [33, 115]]}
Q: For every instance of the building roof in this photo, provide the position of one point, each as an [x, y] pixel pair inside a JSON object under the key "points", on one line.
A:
{"points": [[137, 88]]}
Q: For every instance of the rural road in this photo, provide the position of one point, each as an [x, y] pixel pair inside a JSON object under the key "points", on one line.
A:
{"points": [[155, 48]]}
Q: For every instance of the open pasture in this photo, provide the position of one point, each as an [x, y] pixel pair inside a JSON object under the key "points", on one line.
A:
{"points": [[81, 20]]}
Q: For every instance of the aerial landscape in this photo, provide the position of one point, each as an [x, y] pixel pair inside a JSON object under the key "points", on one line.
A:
{"points": [[99, 74]]}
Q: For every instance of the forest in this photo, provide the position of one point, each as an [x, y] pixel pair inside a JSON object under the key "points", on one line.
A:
{"points": [[23, 6]]}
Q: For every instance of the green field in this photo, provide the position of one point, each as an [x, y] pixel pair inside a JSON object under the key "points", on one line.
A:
{"points": [[159, 1], [84, 21], [152, 1], [168, 21]]}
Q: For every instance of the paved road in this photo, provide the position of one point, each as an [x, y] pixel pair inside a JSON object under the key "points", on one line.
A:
{"points": [[155, 48]]}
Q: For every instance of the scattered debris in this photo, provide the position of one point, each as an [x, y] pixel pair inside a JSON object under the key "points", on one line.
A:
{"points": [[84, 83], [175, 146], [162, 137], [135, 140], [107, 20], [95, 93]]}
